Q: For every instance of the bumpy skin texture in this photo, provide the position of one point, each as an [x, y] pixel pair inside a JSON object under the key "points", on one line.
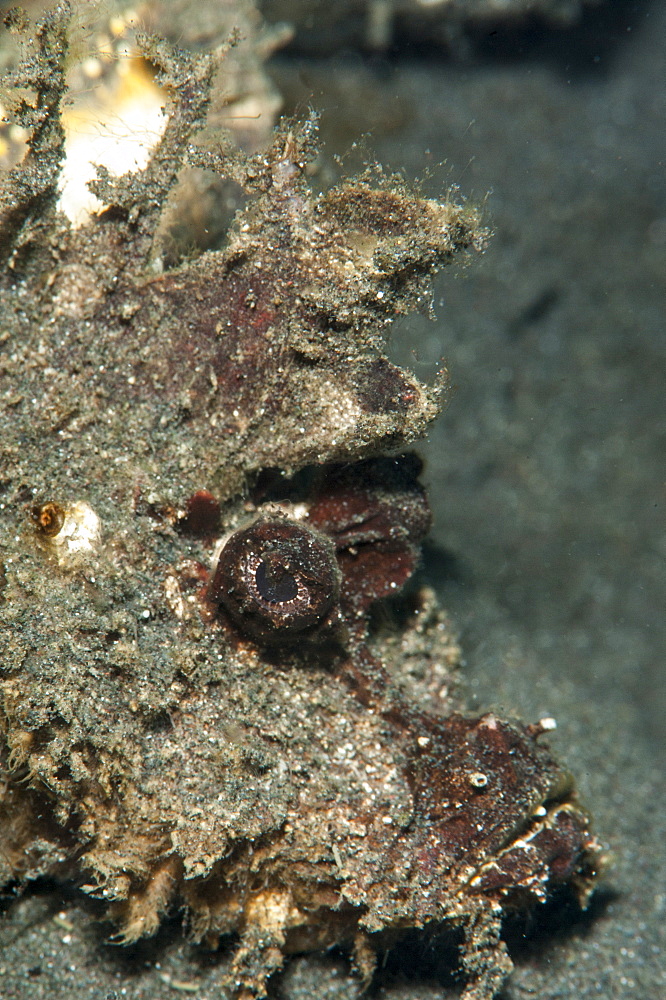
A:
{"points": [[154, 744]]}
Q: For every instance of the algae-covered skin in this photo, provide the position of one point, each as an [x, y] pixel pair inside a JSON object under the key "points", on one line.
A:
{"points": [[299, 783]]}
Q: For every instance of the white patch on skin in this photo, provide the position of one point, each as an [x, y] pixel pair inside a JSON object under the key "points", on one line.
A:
{"points": [[174, 597], [340, 410], [118, 130], [79, 537]]}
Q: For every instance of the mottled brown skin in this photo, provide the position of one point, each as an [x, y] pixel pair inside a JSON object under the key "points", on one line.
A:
{"points": [[157, 744], [378, 516]]}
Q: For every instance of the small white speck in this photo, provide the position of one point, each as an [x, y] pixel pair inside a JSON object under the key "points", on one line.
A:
{"points": [[478, 780]]}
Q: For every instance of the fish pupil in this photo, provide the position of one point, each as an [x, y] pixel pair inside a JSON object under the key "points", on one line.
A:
{"points": [[275, 583]]}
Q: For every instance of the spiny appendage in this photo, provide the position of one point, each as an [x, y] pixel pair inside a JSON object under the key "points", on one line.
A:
{"points": [[484, 955], [29, 191], [258, 956], [142, 912]]}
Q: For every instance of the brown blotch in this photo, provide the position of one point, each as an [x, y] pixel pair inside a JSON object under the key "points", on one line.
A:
{"points": [[383, 388], [48, 518], [202, 515], [377, 515]]}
